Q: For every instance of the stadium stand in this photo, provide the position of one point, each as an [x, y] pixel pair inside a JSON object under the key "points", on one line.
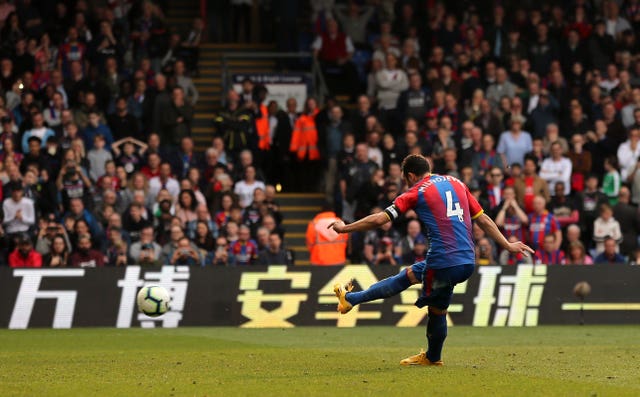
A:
{"points": [[123, 117]]}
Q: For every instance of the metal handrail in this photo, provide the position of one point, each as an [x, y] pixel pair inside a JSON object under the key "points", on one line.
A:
{"points": [[320, 90]]}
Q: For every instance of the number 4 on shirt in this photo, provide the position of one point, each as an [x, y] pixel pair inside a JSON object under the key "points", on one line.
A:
{"points": [[453, 209]]}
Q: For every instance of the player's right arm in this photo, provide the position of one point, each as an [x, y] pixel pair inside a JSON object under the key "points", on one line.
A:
{"points": [[369, 222], [401, 204]]}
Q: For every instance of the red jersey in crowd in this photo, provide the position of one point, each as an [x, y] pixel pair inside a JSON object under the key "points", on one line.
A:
{"points": [[32, 259], [540, 226], [244, 252], [550, 258], [513, 227]]}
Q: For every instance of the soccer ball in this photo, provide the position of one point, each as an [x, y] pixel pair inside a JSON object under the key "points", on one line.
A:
{"points": [[153, 300]]}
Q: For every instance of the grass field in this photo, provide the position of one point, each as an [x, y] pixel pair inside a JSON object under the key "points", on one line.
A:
{"points": [[543, 361]]}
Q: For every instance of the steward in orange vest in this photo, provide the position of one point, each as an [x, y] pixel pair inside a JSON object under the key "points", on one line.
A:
{"points": [[304, 139], [262, 119], [326, 247]]}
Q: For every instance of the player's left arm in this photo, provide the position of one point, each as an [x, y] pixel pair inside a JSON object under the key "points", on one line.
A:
{"points": [[369, 222], [491, 229]]}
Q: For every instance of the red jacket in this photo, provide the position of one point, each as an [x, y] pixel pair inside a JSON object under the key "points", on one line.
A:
{"points": [[92, 258], [33, 259], [333, 49]]}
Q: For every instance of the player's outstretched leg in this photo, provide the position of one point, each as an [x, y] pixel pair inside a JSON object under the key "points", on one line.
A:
{"points": [[382, 289]]}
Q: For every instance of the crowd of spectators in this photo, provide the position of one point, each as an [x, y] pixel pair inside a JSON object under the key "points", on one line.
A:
{"points": [[97, 163], [536, 107]]}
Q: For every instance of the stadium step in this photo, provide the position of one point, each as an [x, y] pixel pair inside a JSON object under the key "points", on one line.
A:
{"points": [[180, 15], [209, 80]]}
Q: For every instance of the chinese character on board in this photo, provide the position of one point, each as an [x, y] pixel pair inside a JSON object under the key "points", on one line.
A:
{"points": [[173, 279], [253, 297], [518, 297], [363, 277]]}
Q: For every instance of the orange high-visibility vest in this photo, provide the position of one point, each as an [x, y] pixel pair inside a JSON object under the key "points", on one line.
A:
{"points": [[262, 128], [326, 247], [304, 138]]}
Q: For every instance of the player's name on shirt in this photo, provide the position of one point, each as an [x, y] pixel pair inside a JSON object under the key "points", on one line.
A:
{"points": [[438, 179]]}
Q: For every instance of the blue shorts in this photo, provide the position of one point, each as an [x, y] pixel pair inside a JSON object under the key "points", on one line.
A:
{"points": [[437, 284]]}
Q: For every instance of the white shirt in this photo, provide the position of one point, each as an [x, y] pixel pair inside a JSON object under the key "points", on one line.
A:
{"points": [[533, 103], [155, 185], [375, 155], [497, 193], [602, 229], [389, 84], [615, 26], [609, 85], [273, 124], [627, 114], [627, 157], [557, 171], [11, 208], [245, 191]]}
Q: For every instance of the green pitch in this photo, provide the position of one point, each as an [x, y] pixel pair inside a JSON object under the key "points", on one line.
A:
{"points": [[544, 361]]}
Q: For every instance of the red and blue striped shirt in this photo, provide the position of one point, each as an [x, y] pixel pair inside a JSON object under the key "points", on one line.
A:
{"points": [[445, 207], [513, 227], [550, 258], [540, 226]]}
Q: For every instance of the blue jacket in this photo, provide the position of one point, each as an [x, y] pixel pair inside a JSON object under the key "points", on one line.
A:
{"points": [[90, 132], [602, 258]]}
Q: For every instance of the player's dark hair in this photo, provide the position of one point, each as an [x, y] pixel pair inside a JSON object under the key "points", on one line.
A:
{"points": [[416, 164]]}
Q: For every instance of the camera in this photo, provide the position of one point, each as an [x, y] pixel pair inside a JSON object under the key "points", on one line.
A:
{"points": [[70, 172]]}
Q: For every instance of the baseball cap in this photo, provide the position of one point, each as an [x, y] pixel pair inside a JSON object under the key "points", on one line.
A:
{"points": [[23, 239]]}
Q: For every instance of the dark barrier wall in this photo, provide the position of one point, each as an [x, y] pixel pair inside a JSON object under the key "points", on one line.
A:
{"points": [[278, 296]]}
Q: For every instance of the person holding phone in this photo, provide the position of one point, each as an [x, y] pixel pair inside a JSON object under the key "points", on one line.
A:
{"points": [[145, 251], [185, 254]]}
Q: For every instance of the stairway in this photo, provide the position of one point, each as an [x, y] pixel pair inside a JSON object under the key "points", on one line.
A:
{"points": [[209, 82], [180, 15], [298, 209]]}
